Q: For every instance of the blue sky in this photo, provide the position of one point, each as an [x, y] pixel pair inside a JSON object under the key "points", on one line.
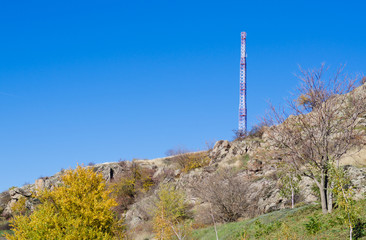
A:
{"points": [[99, 81]]}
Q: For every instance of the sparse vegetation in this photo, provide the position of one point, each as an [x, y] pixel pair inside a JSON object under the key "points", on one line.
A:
{"points": [[131, 184], [227, 194], [188, 161]]}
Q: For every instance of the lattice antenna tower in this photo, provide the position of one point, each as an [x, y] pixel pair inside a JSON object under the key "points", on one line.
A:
{"points": [[243, 86]]}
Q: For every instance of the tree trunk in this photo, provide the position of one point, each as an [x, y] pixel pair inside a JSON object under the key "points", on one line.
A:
{"points": [[292, 197], [330, 199], [323, 194], [350, 232], [214, 222], [327, 191]]}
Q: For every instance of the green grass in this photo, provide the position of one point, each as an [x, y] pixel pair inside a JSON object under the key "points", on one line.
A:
{"points": [[2, 233], [285, 224]]}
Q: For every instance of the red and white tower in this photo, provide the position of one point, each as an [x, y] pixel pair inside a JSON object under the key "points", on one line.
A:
{"points": [[243, 86]]}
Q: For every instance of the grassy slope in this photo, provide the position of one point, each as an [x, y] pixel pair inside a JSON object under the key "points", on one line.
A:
{"points": [[283, 224]]}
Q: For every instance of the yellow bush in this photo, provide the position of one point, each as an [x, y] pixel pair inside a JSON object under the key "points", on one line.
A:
{"points": [[19, 207], [147, 183], [80, 208], [195, 160], [169, 214]]}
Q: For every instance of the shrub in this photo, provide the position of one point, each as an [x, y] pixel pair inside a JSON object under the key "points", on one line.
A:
{"points": [[19, 207], [196, 160], [130, 184], [239, 135], [258, 130], [186, 160], [313, 225], [190, 161], [286, 233], [80, 208], [359, 230], [265, 229], [227, 194]]}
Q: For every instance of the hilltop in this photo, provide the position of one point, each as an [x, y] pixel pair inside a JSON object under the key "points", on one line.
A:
{"points": [[233, 181]]}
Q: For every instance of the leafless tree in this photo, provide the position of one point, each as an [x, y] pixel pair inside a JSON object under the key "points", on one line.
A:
{"points": [[225, 193], [239, 134], [322, 127]]}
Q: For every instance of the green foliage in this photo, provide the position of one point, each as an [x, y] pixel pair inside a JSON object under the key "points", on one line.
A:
{"points": [[315, 191], [344, 195], [265, 229], [286, 233], [359, 229], [80, 208], [292, 227], [313, 225], [289, 182]]}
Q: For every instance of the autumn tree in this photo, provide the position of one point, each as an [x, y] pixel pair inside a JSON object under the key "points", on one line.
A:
{"points": [[79, 208], [169, 214], [319, 125]]}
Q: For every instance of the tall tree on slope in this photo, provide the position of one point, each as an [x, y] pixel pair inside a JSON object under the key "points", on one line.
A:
{"points": [[323, 125]]}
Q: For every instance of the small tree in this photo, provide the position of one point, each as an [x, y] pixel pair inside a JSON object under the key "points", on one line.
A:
{"points": [[322, 127], [344, 196], [80, 208], [289, 185], [169, 214]]}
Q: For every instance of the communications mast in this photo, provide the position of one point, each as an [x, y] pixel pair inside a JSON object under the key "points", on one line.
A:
{"points": [[243, 86]]}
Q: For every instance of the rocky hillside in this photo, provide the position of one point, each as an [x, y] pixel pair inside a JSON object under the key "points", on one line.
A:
{"points": [[245, 167], [245, 158]]}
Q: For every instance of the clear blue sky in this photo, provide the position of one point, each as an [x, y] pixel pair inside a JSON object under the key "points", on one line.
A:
{"points": [[99, 81]]}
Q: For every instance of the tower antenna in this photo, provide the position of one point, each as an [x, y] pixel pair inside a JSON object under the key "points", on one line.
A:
{"points": [[243, 86]]}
